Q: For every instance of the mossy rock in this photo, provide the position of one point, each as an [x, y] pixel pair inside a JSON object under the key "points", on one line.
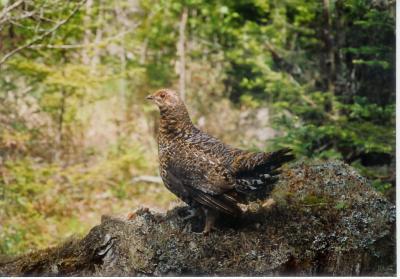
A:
{"points": [[327, 220]]}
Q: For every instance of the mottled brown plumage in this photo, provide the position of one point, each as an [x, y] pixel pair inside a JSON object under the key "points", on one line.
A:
{"points": [[204, 172]]}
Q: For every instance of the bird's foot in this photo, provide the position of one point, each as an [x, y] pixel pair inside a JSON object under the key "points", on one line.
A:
{"points": [[190, 228], [193, 212], [187, 228], [211, 216], [207, 231]]}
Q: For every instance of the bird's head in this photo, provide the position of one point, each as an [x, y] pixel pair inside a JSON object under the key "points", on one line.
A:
{"points": [[165, 99], [174, 115]]}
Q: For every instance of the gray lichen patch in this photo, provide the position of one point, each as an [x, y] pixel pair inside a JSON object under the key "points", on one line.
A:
{"points": [[324, 219]]}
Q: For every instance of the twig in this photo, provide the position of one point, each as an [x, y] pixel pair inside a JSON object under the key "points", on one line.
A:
{"points": [[14, 19], [315, 204], [117, 36], [146, 178], [44, 35], [11, 7]]}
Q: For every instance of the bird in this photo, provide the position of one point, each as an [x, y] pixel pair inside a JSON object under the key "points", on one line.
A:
{"points": [[208, 175]]}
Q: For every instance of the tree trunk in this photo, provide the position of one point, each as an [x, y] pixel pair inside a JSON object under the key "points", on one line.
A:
{"points": [[328, 53], [86, 40], [181, 53]]}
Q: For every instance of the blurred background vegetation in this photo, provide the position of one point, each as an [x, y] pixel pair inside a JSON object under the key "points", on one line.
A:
{"points": [[77, 136]]}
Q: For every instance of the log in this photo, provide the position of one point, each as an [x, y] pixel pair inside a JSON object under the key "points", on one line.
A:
{"points": [[326, 219]]}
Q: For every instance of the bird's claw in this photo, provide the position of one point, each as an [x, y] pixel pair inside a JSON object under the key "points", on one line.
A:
{"points": [[192, 214], [187, 228]]}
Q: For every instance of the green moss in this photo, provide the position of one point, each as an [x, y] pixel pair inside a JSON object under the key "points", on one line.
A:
{"points": [[341, 205], [313, 200]]}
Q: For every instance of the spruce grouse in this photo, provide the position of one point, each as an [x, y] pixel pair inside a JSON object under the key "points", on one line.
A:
{"points": [[204, 172]]}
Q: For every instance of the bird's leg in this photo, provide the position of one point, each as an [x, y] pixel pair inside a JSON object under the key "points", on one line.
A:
{"points": [[193, 213], [211, 216]]}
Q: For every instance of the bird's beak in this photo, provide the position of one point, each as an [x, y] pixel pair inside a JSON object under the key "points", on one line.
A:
{"points": [[150, 97]]}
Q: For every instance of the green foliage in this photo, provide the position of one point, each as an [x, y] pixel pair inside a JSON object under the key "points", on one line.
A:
{"points": [[341, 205], [74, 127], [312, 200], [41, 201], [341, 112]]}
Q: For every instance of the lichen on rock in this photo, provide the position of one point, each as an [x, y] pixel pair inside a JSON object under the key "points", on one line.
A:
{"points": [[325, 219]]}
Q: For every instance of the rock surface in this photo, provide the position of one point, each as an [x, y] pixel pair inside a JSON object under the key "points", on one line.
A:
{"points": [[324, 219]]}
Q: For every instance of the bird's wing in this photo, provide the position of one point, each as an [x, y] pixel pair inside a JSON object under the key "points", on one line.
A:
{"points": [[213, 180], [204, 186]]}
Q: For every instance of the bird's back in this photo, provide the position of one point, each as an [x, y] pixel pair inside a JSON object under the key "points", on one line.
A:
{"points": [[197, 155]]}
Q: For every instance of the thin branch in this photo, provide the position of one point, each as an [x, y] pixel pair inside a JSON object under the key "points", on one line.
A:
{"points": [[44, 18], [44, 35], [75, 46], [11, 7], [12, 19], [291, 68], [315, 204], [146, 178]]}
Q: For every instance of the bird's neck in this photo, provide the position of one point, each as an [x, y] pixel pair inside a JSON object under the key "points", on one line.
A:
{"points": [[175, 122]]}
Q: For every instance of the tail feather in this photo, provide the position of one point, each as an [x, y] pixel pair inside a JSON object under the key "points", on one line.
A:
{"points": [[262, 170]]}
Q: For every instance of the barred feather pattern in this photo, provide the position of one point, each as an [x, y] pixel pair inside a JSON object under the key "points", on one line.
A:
{"points": [[203, 171]]}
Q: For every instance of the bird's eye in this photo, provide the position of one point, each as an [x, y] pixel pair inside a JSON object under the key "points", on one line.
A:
{"points": [[162, 95]]}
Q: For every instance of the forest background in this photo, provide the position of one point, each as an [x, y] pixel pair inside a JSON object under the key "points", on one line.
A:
{"points": [[78, 139]]}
